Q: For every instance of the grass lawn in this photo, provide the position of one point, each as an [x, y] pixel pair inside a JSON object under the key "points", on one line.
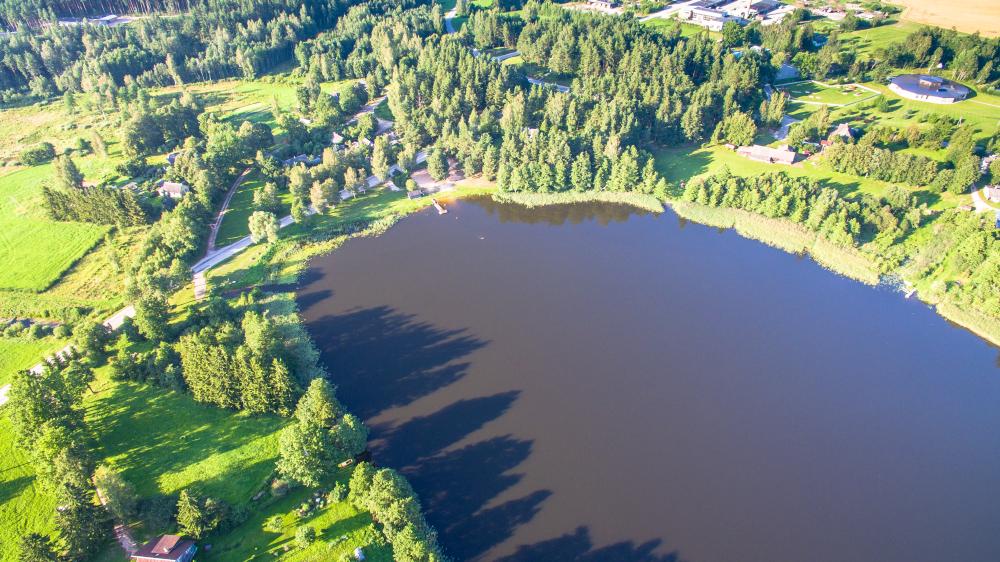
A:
{"points": [[382, 111], [17, 354], [687, 29], [340, 528], [163, 442], [813, 93], [34, 250], [867, 41], [24, 507], [235, 222]]}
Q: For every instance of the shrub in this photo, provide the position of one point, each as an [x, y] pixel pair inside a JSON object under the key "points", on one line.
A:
{"points": [[338, 494], [305, 536], [38, 154], [274, 524]]}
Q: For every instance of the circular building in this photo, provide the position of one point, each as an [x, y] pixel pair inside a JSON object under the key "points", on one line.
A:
{"points": [[923, 87]]}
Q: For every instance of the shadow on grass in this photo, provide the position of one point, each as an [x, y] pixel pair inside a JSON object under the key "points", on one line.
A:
{"points": [[152, 433]]}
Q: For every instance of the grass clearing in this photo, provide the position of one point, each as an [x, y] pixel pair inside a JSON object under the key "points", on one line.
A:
{"points": [[163, 442], [236, 221], [687, 29], [865, 42], [17, 354], [340, 528], [24, 506], [819, 94], [36, 251]]}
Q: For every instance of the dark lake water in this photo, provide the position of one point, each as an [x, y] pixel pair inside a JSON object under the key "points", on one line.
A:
{"points": [[587, 383]]}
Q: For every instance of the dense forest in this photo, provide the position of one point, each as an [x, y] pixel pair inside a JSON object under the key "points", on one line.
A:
{"points": [[214, 40]]}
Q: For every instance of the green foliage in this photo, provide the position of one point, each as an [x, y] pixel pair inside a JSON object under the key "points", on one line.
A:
{"points": [[119, 497], [305, 536], [263, 227], [198, 515], [391, 500], [38, 154], [821, 209], [37, 548], [321, 437]]}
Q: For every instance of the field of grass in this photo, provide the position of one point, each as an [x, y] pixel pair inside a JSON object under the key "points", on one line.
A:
{"points": [[163, 442], [17, 354], [970, 16], [34, 250], [687, 29], [818, 94], [235, 223], [865, 42], [24, 507], [340, 528]]}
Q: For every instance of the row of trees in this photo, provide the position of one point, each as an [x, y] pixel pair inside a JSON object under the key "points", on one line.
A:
{"points": [[244, 366], [392, 502], [47, 414], [864, 159], [848, 222]]}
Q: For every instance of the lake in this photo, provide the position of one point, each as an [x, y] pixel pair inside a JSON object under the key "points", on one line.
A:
{"points": [[590, 382]]}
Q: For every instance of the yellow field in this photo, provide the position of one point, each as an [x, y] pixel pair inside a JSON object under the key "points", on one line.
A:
{"points": [[964, 15]]}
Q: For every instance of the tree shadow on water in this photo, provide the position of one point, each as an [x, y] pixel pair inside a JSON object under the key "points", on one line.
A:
{"points": [[380, 358], [578, 547], [458, 486]]}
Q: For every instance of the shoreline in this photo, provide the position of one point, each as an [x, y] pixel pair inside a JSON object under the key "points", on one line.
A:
{"points": [[778, 233]]}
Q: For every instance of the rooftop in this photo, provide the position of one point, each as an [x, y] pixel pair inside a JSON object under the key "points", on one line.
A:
{"points": [[933, 86], [167, 548]]}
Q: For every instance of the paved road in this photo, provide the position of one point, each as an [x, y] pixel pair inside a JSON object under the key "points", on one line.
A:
{"points": [[448, 16]]}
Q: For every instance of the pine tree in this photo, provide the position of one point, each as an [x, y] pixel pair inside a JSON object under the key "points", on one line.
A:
{"points": [[581, 177], [68, 176]]}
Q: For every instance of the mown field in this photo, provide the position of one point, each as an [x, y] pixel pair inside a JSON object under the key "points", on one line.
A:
{"points": [[34, 250], [970, 16], [815, 93], [235, 223]]}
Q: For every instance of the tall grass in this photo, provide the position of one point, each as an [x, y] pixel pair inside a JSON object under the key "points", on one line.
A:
{"points": [[784, 235]]}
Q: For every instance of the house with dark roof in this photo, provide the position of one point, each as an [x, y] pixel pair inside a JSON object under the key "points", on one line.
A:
{"points": [[168, 548]]}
